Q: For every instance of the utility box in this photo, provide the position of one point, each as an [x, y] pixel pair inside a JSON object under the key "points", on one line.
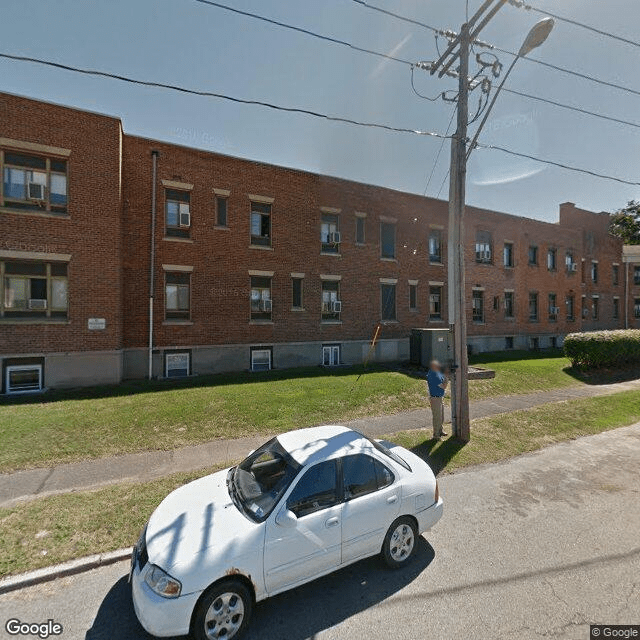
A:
{"points": [[429, 344]]}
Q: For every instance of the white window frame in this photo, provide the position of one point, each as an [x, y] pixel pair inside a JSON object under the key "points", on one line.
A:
{"points": [[22, 367], [334, 355], [167, 357], [267, 351]]}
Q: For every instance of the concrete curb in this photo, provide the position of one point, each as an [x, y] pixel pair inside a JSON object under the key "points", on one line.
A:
{"points": [[79, 565]]}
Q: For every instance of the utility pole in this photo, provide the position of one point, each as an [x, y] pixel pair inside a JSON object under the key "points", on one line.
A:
{"points": [[456, 274], [457, 299]]}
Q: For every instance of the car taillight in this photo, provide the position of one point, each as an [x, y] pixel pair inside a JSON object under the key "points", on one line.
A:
{"points": [[436, 497]]}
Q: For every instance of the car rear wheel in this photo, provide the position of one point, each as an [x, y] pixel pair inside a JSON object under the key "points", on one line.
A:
{"points": [[223, 613], [400, 542]]}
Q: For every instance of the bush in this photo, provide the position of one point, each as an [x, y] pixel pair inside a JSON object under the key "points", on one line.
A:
{"points": [[597, 349]]}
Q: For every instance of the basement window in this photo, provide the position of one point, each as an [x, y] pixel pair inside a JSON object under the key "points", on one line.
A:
{"points": [[176, 365], [260, 359], [23, 378]]}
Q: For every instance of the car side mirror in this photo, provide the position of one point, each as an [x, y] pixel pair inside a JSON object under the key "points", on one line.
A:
{"points": [[286, 518]]}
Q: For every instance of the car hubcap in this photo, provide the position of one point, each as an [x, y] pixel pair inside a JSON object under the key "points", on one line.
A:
{"points": [[224, 617], [401, 544]]}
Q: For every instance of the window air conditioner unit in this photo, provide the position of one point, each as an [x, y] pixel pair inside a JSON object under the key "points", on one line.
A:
{"points": [[554, 311], [336, 306], [37, 303], [36, 191], [266, 305], [573, 267], [334, 237]]}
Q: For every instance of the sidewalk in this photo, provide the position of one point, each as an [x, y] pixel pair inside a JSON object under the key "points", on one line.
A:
{"points": [[34, 483]]}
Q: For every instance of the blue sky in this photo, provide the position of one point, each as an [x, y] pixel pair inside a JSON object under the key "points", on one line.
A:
{"points": [[187, 43]]}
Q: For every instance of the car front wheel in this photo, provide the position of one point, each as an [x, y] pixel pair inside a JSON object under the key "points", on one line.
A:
{"points": [[400, 542], [223, 613]]}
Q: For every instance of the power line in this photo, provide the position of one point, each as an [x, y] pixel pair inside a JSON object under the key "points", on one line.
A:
{"points": [[568, 167], [308, 112], [221, 96], [284, 25], [435, 162], [549, 65], [527, 7]]}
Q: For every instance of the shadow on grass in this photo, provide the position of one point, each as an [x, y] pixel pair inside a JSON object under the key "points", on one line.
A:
{"points": [[438, 453], [603, 376], [133, 387]]}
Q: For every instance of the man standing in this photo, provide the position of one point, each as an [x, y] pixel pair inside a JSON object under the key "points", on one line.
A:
{"points": [[437, 383]]}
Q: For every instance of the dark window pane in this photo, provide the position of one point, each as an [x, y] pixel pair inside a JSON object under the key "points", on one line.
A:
{"points": [[384, 476], [297, 293], [177, 278], [38, 289], [20, 160], [317, 489], [221, 208], [179, 196], [26, 268], [259, 207], [359, 475], [388, 293], [58, 269], [388, 240], [360, 230], [59, 165]]}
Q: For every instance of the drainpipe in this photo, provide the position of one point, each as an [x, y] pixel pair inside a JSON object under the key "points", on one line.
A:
{"points": [[152, 256]]}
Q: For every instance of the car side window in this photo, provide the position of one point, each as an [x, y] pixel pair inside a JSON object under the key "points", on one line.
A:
{"points": [[363, 474], [317, 489]]}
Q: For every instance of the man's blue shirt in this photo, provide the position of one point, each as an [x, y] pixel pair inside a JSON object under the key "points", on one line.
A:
{"points": [[434, 380]]}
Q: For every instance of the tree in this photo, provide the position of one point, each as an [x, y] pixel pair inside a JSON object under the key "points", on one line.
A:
{"points": [[625, 223]]}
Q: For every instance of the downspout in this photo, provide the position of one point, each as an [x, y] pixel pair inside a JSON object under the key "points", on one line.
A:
{"points": [[152, 256]]}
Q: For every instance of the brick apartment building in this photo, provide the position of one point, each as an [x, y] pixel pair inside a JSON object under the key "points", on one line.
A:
{"points": [[256, 266]]}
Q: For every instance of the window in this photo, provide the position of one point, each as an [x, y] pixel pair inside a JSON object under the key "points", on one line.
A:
{"points": [[413, 296], [533, 255], [260, 359], [360, 229], [570, 301], [616, 308], [25, 378], [261, 298], [534, 344], [331, 355], [435, 303], [553, 342], [329, 233], [636, 308], [508, 254], [594, 271], [388, 240], [615, 275], [533, 306], [636, 276], [509, 308], [552, 255], [34, 290], [570, 262], [595, 308], [260, 224], [221, 211], [177, 213], [553, 308], [585, 309], [362, 474], [176, 365], [483, 247], [388, 302], [331, 303], [296, 293], [508, 342], [177, 296], [316, 490], [435, 246], [34, 182], [478, 306]]}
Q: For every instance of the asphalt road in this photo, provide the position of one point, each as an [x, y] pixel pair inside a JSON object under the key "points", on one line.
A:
{"points": [[539, 546]]}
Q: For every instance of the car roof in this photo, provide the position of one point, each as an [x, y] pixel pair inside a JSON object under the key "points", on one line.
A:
{"points": [[307, 446]]}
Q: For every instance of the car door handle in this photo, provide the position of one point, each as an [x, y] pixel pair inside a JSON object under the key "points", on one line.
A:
{"points": [[392, 499], [332, 522]]}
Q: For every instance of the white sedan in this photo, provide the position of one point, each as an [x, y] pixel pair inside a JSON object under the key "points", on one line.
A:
{"points": [[303, 505]]}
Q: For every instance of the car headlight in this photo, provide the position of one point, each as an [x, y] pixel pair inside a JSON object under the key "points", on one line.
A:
{"points": [[162, 583]]}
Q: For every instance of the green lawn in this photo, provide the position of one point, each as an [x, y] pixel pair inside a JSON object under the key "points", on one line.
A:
{"points": [[89, 423], [50, 530]]}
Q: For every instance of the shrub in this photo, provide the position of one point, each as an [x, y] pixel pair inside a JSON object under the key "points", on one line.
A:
{"points": [[596, 349]]}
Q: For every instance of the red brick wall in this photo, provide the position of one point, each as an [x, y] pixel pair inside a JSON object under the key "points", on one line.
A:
{"points": [[91, 232]]}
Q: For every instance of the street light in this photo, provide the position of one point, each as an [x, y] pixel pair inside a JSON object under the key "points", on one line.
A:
{"points": [[538, 34]]}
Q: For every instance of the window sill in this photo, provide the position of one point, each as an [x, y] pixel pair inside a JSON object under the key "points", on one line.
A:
{"points": [[263, 322], [390, 321], [360, 244], [509, 318], [414, 310], [33, 321], [41, 214], [388, 259], [297, 309], [177, 323], [177, 239], [331, 253], [436, 263], [436, 321], [260, 247], [330, 321], [222, 228]]}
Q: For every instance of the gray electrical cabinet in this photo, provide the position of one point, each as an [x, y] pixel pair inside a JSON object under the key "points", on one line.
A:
{"points": [[429, 344]]}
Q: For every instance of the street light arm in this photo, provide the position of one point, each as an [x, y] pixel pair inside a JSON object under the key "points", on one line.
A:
{"points": [[474, 142]]}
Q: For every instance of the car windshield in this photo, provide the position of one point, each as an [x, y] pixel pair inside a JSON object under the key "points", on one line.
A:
{"points": [[261, 479]]}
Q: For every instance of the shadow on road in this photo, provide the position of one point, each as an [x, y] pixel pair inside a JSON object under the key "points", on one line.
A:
{"points": [[295, 615], [438, 453]]}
